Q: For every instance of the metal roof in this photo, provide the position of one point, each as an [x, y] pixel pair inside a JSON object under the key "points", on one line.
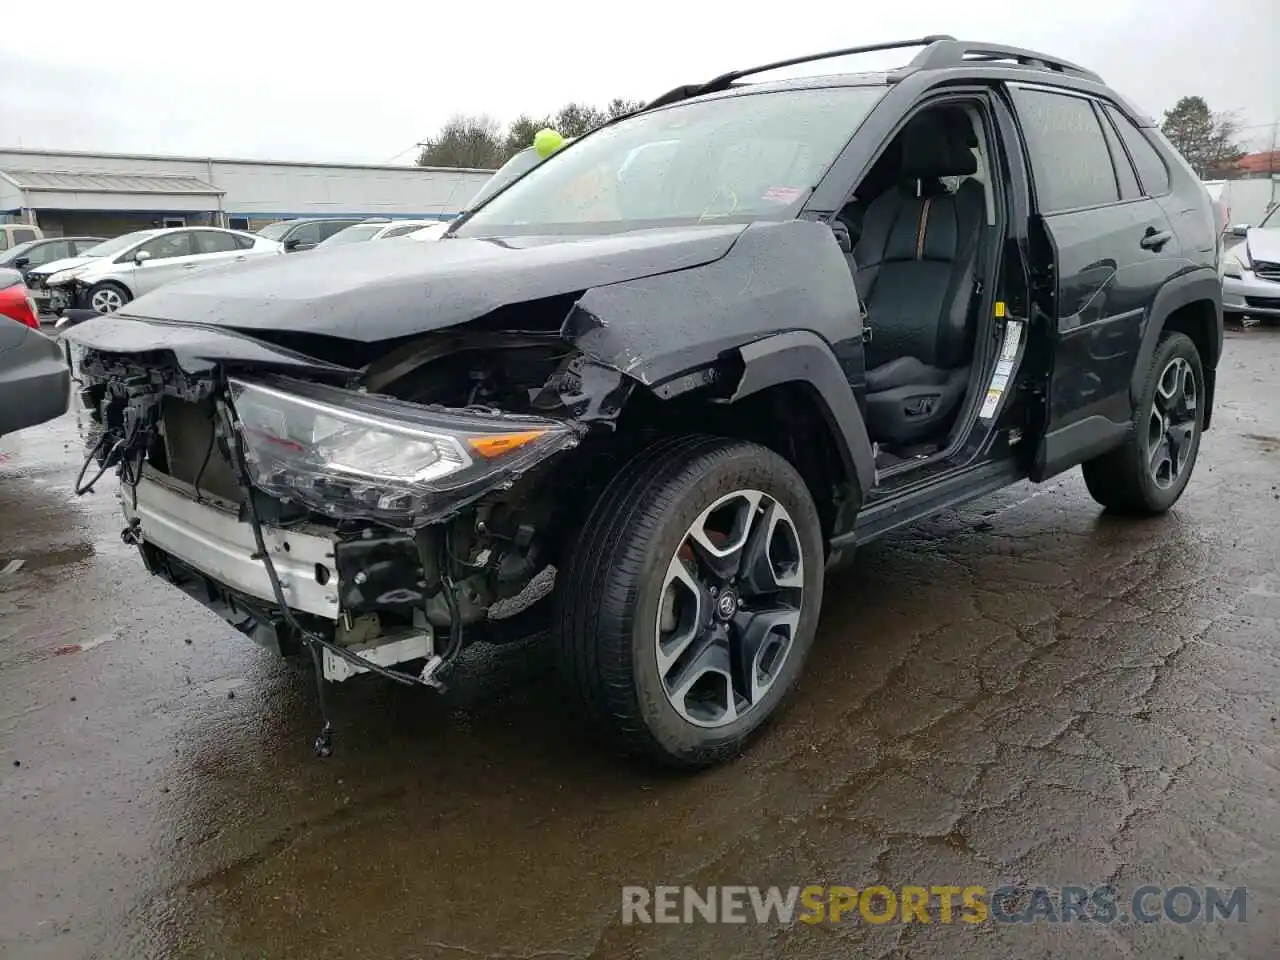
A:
{"points": [[41, 181]]}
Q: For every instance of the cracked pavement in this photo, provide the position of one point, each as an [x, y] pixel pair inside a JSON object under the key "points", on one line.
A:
{"points": [[1021, 690]]}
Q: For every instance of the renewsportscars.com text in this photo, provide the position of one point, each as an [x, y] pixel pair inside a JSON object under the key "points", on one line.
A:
{"points": [[944, 904]]}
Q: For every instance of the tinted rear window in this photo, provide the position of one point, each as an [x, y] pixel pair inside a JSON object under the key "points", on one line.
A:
{"points": [[1151, 169], [1069, 156]]}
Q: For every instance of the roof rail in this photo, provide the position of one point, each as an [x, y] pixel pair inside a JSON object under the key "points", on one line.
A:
{"points": [[949, 52], [726, 80], [940, 52]]}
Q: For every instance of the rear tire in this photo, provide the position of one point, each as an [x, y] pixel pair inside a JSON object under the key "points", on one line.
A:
{"points": [[655, 631], [1146, 474], [107, 297]]}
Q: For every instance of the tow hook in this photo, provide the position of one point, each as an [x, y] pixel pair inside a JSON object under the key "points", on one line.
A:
{"points": [[131, 534]]}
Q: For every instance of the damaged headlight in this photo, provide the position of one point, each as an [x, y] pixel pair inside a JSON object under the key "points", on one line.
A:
{"points": [[352, 455], [62, 276]]}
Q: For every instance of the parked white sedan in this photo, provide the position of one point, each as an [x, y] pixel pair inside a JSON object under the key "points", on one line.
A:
{"points": [[107, 276], [378, 229]]}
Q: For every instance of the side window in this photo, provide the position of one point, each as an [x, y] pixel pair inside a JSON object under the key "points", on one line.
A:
{"points": [[1128, 183], [238, 223], [167, 246], [1151, 169], [306, 233], [211, 241], [82, 245], [1069, 157], [49, 252], [328, 229], [22, 236], [243, 242]]}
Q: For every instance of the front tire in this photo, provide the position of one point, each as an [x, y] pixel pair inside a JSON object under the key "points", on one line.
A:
{"points": [[691, 600], [107, 297], [1148, 472]]}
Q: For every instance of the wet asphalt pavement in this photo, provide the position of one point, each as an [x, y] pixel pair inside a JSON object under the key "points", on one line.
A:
{"points": [[1023, 689]]}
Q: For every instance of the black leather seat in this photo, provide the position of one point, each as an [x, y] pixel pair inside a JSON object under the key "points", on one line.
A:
{"points": [[915, 276]]}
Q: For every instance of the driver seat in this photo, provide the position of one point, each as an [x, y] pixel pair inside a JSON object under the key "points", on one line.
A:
{"points": [[916, 269]]}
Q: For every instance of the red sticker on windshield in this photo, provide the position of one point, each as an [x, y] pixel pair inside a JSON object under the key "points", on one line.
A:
{"points": [[782, 194]]}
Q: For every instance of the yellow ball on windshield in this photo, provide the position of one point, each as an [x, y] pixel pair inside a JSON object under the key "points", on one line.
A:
{"points": [[546, 142]]}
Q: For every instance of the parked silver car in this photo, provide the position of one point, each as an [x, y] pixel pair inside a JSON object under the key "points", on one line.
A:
{"points": [[107, 276], [1251, 269], [375, 229]]}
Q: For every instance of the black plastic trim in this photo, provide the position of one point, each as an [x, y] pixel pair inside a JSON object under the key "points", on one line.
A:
{"points": [[804, 357], [964, 485], [1075, 443]]}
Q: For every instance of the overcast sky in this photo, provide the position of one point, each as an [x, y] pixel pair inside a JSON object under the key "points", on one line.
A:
{"points": [[362, 81]]}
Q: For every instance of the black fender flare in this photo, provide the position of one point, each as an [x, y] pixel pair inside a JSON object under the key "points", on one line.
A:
{"points": [[801, 356], [1201, 284]]}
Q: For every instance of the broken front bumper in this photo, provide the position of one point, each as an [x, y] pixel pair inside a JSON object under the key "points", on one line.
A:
{"points": [[203, 549]]}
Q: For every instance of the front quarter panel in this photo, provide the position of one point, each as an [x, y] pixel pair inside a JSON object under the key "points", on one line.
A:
{"points": [[777, 277]]}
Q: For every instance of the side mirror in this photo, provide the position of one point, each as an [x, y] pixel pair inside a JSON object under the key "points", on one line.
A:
{"points": [[21, 262], [1240, 230], [141, 257], [292, 243], [843, 238]]}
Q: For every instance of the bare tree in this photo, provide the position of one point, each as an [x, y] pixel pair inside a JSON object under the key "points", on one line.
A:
{"points": [[465, 141], [1206, 140], [620, 106], [479, 141], [520, 133]]}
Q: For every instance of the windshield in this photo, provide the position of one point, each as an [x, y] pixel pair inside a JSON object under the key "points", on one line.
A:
{"points": [[275, 231], [109, 247], [362, 231], [747, 156], [14, 253], [521, 163]]}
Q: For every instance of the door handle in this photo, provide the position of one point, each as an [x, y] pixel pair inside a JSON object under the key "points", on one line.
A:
{"points": [[1154, 239]]}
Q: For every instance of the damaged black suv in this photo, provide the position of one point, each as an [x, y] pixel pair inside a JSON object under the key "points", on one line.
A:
{"points": [[644, 396]]}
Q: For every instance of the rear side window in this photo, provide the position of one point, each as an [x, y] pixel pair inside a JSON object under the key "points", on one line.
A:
{"points": [[1128, 183], [1151, 169], [329, 228], [243, 242], [211, 241], [1069, 156], [23, 236]]}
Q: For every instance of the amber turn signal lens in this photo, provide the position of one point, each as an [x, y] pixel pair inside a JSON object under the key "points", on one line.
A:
{"points": [[495, 445]]}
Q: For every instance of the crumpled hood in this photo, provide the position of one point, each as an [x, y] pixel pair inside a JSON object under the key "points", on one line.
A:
{"points": [[379, 291], [1264, 244], [52, 267]]}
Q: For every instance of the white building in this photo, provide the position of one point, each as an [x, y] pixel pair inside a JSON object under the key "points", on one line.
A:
{"points": [[105, 194]]}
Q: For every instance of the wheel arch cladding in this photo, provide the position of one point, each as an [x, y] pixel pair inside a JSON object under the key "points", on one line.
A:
{"points": [[802, 357], [1189, 304]]}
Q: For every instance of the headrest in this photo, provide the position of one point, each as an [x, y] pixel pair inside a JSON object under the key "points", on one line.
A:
{"points": [[936, 144]]}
